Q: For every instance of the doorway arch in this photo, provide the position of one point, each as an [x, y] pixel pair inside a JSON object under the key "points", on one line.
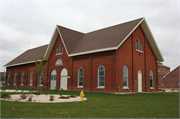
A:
{"points": [[63, 82], [139, 81], [53, 79]]}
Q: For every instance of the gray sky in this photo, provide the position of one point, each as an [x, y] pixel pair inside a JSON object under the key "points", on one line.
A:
{"points": [[35, 20]]}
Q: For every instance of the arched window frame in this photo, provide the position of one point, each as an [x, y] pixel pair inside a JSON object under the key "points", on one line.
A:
{"points": [[9, 76], [31, 79], [80, 77], [125, 76], [41, 80], [57, 50], [15, 75], [151, 79], [22, 79], [101, 76]]}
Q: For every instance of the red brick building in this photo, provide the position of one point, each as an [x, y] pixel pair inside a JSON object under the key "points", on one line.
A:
{"points": [[117, 58], [172, 78], [162, 71]]}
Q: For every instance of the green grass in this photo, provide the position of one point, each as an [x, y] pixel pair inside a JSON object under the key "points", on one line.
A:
{"points": [[100, 105]]}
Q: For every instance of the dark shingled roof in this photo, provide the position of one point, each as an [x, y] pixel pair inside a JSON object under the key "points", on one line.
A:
{"points": [[70, 37], [29, 55], [76, 42], [104, 38]]}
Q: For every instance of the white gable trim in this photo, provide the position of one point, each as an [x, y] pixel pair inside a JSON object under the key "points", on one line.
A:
{"points": [[62, 40], [21, 63], [51, 44], [94, 51]]}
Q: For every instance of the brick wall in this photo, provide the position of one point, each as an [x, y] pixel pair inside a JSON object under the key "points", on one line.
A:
{"points": [[113, 61]]}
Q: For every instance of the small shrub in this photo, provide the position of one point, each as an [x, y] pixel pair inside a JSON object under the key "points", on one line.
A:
{"points": [[5, 95], [64, 97], [160, 89], [46, 91], [30, 98], [61, 92], [51, 97], [23, 96], [163, 90], [73, 96], [173, 89]]}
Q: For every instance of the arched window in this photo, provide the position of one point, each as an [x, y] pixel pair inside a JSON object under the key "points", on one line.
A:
{"points": [[80, 76], [41, 80], [15, 78], [125, 76], [31, 78], [151, 79], [22, 79], [9, 78], [59, 47], [101, 76]]}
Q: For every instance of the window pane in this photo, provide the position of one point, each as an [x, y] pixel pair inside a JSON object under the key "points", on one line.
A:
{"points": [[141, 46], [9, 78], [62, 49], [124, 81], [101, 73], [57, 50], [15, 79], [59, 47]]}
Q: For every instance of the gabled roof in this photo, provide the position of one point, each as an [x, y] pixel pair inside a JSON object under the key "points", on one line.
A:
{"points": [[77, 43], [28, 56], [110, 38]]}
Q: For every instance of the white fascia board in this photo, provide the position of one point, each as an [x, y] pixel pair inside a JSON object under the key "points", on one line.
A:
{"points": [[152, 40], [19, 64], [130, 33], [94, 51], [51, 44], [62, 40]]}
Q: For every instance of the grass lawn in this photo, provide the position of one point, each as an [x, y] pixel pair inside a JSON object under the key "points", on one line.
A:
{"points": [[100, 105]]}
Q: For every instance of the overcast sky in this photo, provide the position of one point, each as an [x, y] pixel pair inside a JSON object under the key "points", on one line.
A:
{"points": [[35, 20]]}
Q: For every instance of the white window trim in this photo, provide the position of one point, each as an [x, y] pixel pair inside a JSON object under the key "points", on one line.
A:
{"points": [[139, 51], [101, 87], [152, 79], [23, 79], [30, 79], [59, 54], [14, 78], [40, 80], [80, 87], [78, 77], [125, 87]]}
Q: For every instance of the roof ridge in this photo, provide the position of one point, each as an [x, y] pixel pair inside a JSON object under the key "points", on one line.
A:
{"points": [[115, 25]]}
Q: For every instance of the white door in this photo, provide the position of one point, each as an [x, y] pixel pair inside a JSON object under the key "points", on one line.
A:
{"points": [[139, 81], [53, 79], [63, 82]]}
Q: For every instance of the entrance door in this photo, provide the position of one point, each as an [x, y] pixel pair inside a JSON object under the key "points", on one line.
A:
{"points": [[53, 79], [63, 83], [139, 81]]}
